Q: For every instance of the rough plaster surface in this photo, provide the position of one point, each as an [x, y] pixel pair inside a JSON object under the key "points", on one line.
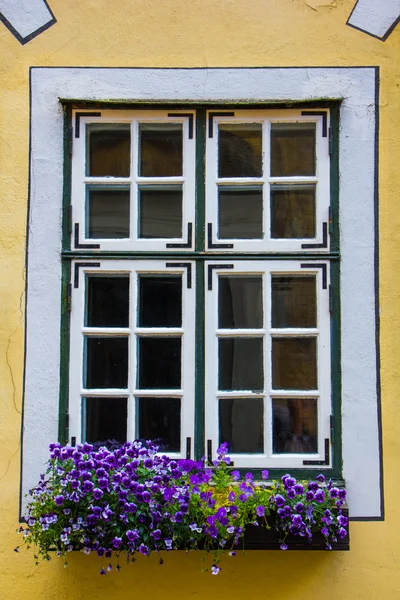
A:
{"points": [[356, 86], [26, 16], [375, 16]]}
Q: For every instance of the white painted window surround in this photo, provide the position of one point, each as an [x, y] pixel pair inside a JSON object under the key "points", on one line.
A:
{"points": [[357, 88]]}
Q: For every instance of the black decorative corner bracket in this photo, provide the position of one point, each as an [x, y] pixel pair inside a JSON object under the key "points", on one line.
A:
{"points": [[210, 272], [78, 116], [320, 462], [324, 243], [318, 266], [190, 119], [187, 244], [319, 113], [211, 116], [78, 265], [83, 246], [187, 266], [210, 244]]}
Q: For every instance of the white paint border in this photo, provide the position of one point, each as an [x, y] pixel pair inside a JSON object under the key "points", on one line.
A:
{"points": [[357, 87], [378, 19]]}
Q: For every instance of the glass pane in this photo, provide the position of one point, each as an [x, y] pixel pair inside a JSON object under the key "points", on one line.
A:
{"points": [[240, 213], [294, 363], [104, 419], [159, 419], [108, 213], [106, 362], [160, 150], [295, 425], [294, 301], [108, 149], [292, 211], [241, 424], [292, 149], [240, 302], [241, 364], [160, 212], [159, 363], [240, 150], [107, 301], [160, 301]]}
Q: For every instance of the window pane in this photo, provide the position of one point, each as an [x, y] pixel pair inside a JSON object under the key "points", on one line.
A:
{"points": [[107, 301], [292, 149], [294, 363], [160, 150], [159, 363], [108, 213], [108, 150], [240, 150], [241, 424], [295, 425], [240, 302], [104, 419], [292, 211], [160, 301], [241, 364], [159, 419], [106, 362], [160, 212], [240, 213], [294, 301]]}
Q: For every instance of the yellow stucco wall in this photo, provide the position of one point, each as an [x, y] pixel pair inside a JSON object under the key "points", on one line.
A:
{"points": [[197, 33]]}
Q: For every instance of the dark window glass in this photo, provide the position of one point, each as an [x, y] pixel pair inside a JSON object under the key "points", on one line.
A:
{"points": [[159, 419], [294, 301], [106, 362], [294, 363], [159, 363], [292, 149], [107, 301], [160, 301], [108, 213], [292, 211], [108, 150], [295, 425], [160, 212], [240, 303], [241, 424], [160, 150], [241, 364], [240, 150], [240, 213], [104, 419]]}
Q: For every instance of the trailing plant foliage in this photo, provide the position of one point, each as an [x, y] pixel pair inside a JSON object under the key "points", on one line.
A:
{"points": [[129, 499]]}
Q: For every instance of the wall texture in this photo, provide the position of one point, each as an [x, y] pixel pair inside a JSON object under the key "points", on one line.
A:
{"points": [[206, 33]]}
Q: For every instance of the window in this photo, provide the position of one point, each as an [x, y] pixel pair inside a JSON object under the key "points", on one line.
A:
{"points": [[200, 314]]}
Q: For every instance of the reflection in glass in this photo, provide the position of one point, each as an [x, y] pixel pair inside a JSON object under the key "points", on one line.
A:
{"points": [[159, 419], [294, 301], [295, 425], [104, 419], [160, 149], [292, 149], [160, 212], [159, 363], [241, 364], [241, 424], [240, 302], [240, 150], [107, 213], [240, 213], [106, 362], [294, 363], [107, 301], [108, 149], [292, 211], [160, 301]]}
